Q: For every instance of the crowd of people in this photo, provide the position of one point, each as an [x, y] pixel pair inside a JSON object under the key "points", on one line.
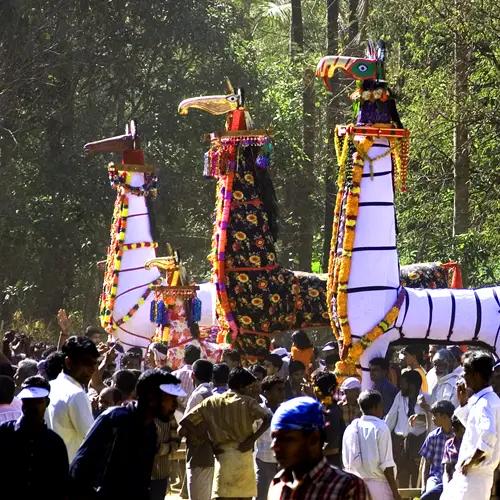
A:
{"points": [[86, 420]]}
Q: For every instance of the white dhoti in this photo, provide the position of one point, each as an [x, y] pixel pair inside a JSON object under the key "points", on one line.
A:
{"points": [[379, 489], [234, 475], [472, 486], [199, 482]]}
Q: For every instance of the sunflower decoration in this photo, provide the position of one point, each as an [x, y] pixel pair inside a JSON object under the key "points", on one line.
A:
{"points": [[246, 320], [240, 235], [271, 256], [275, 298], [261, 342], [295, 289], [312, 292], [242, 278], [255, 260], [238, 195], [249, 178], [258, 302], [252, 218]]}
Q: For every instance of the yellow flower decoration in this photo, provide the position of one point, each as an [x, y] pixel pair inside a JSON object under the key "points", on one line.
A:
{"points": [[246, 320], [275, 298], [355, 352], [240, 235], [296, 289], [254, 259], [261, 342], [238, 195], [312, 292], [257, 302], [249, 178], [252, 218], [413, 275], [242, 277], [271, 256]]}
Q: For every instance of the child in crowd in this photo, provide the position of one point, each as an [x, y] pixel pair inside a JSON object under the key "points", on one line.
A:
{"points": [[302, 349], [451, 449], [433, 448], [325, 385], [294, 385], [351, 388]]}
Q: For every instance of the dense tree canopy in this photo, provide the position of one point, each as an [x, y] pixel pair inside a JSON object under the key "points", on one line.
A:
{"points": [[71, 72]]}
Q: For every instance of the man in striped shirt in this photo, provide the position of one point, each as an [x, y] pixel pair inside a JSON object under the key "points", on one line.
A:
{"points": [[228, 420], [298, 431]]}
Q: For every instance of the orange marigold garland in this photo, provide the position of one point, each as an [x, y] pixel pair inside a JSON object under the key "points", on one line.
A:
{"points": [[345, 216], [348, 367]]}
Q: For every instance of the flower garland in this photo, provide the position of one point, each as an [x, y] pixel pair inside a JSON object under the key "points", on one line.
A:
{"points": [[120, 180], [348, 367], [379, 94], [345, 216]]}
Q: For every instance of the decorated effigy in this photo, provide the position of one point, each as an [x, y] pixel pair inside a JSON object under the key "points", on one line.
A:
{"points": [[369, 307], [127, 291], [137, 304], [176, 310], [256, 295]]}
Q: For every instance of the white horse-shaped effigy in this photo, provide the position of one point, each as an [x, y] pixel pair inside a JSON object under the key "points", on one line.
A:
{"points": [[369, 307]]}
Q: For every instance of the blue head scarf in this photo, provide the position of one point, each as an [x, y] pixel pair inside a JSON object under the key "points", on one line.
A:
{"points": [[298, 414]]}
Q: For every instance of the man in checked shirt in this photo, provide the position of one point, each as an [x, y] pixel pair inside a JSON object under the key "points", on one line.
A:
{"points": [[298, 432]]}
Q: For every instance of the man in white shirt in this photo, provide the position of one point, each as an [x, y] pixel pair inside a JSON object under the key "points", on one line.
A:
{"points": [[69, 413], [431, 372], [479, 454], [407, 439], [367, 448], [445, 388]]}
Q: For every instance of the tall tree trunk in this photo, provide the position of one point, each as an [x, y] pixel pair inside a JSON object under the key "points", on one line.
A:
{"points": [[296, 29], [353, 30], [363, 10], [461, 143], [304, 180], [332, 34]]}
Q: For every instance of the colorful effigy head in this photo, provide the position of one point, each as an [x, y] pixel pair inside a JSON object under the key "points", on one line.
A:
{"points": [[373, 100]]}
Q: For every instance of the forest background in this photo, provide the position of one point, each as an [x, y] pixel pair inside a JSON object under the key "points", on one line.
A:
{"points": [[77, 71]]}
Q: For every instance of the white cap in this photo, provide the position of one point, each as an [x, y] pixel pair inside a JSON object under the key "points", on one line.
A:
{"points": [[33, 392], [350, 383], [173, 390], [280, 351]]}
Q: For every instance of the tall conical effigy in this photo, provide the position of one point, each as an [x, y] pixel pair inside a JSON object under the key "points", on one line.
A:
{"points": [[369, 308], [127, 289]]}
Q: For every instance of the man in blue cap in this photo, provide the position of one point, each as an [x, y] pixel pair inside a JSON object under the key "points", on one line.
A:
{"points": [[298, 432]]}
